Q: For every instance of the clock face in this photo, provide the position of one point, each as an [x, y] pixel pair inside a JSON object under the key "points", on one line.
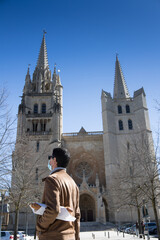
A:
{"points": [[84, 167]]}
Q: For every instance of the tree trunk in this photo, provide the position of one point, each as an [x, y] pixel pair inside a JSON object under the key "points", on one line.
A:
{"points": [[35, 227], [16, 223], [27, 221], [139, 220], [156, 217]]}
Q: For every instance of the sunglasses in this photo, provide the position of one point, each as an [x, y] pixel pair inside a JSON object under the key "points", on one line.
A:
{"points": [[50, 156]]}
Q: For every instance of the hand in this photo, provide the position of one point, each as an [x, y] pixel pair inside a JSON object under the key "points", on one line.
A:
{"points": [[69, 209], [35, 206]]}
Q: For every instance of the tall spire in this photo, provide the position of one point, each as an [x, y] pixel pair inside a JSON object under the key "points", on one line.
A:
{"points": [[42, 62], [120, 87], [42, 74]]}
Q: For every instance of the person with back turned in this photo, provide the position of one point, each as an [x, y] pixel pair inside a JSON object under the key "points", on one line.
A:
{"points": [[59, 190]]}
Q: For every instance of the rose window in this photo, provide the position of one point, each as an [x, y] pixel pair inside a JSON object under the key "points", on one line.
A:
{"points": [[84, 167]]}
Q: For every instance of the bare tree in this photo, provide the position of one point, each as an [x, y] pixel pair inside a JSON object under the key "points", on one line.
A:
{"points": [[19, 168], [148, 160], [7, 128], [125, 187], [138, 177], [27, 168]]}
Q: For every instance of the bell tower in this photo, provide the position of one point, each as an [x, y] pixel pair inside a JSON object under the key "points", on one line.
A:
{"points": [[40, 112], [125, 119], [39, 130]]}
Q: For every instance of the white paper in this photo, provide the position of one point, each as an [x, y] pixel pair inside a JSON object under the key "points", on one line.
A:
{"points": [[41, 210], [64, 215]]}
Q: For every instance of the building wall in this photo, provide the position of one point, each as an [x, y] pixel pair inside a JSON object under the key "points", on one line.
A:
{"points": [[86, 153]]}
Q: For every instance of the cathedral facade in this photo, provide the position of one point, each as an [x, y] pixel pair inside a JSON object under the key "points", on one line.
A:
{"points": [[95, 156]]}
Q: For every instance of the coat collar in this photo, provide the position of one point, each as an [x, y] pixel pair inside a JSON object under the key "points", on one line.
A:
{"points": [[57, 168], [54, 171]]}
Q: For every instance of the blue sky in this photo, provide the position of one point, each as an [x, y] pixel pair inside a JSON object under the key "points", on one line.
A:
{"points": [[83, 37]]}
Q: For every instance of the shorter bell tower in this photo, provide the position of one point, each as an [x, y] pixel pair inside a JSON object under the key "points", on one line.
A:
{"points": [[125, 119]]}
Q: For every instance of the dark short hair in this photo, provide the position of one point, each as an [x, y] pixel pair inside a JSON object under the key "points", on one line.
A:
{"points": [[62, 156]]}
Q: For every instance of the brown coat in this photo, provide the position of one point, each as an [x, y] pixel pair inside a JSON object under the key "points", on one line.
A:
{"points": [[59, 190]]}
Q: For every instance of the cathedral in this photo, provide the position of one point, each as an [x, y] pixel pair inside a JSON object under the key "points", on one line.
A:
{"points": [[95, 156]]}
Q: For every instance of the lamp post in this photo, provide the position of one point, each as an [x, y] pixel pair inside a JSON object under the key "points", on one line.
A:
{"points": [[145, 215], [2, 191], [118, 220]]}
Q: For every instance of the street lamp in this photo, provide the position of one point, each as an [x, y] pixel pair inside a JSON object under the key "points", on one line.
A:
{"points": [[118, 219], [145, 215], [2, 191]]}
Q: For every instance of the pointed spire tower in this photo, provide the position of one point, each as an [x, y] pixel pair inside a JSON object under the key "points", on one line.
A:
{"points": [[42, 62], [42, 74], [120, 87]]}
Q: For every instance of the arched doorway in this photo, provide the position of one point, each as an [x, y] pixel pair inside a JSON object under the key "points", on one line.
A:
{"points": [[87, 207]]}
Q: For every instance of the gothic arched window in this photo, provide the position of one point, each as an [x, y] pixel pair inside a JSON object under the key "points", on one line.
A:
{"points": [[119, 109], [43, 108], [127, 109], [120, 125], [36, 108], [130, 125]]}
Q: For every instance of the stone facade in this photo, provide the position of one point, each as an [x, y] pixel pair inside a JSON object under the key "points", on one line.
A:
{"points": [[95, 156], [88, 170]]}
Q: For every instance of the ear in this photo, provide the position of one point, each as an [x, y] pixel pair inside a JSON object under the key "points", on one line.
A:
{"points": [[56, 161]]}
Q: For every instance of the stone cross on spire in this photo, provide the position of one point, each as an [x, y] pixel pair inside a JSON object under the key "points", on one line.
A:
{"points": [[120, 87], [44, 32]]}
